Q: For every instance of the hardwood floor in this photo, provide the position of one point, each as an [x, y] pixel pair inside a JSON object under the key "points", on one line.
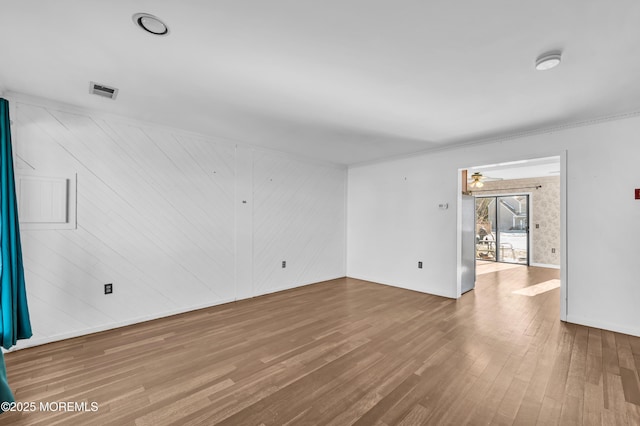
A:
{"points": [[345, 352]]}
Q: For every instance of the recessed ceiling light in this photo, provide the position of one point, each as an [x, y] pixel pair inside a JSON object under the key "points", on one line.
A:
{"points": [[548, 60], [151, 24]]}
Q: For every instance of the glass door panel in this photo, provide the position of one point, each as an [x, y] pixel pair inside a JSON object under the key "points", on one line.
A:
{"points": [[513, 229], [486, 228]]}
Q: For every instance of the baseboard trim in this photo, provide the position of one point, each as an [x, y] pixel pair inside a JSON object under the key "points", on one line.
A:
{"points": [[545, 265], [38, 341], [285, 288], [374, 281], [589, 322], [28, 343]]}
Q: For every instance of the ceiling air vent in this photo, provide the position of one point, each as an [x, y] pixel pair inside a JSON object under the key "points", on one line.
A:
{"points": [[102, 90]]}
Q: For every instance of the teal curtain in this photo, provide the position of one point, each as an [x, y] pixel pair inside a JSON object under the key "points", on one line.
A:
{"points": [[15, 322], [5, 391], [14, 313]]}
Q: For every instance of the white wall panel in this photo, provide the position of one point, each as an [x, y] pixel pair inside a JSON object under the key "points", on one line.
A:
{"points": [[244, 223], [298, 217], [158, 214]]}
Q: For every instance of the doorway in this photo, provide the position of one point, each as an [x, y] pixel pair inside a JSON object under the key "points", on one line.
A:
{"points": [[502, 228], [547, 235]]}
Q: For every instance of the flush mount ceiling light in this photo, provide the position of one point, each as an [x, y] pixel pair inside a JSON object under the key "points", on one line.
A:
{"points": [[151, 24], [548, 60]]}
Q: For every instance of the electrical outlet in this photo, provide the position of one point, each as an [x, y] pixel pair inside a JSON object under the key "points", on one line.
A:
{"points": [[419, 265], [108, 288], [284, 263], [553, 250], [537, 226]]}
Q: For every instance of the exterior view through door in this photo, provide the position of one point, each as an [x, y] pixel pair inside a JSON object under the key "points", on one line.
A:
{"points": [[502, 228]]}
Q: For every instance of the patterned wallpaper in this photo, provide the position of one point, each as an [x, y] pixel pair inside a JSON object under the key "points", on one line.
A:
{"points": [[545, 211]]}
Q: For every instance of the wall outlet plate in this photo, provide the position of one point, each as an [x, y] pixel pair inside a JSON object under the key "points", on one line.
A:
{"points": [[108, 288], [284, 263]]}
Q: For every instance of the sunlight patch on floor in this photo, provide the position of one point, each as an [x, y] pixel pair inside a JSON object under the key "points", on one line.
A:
{"points": [[487, 267], [543, 287]]}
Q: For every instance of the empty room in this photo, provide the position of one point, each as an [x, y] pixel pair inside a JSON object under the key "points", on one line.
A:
{"points": [[319, 213]]}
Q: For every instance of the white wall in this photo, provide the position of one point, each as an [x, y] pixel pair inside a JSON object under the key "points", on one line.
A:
{"points": [[299, 217], [394, 221], [160, 215]]}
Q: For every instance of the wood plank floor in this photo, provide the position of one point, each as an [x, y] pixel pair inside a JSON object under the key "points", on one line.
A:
{"points": [[346, 352]]}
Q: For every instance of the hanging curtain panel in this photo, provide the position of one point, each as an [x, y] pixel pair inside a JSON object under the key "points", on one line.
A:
{"points": [[14, 318], [5, 391]]}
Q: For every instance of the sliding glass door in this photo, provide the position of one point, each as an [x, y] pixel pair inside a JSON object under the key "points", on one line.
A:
{"points": [[486, 232], [513, 229], [502, 228]]}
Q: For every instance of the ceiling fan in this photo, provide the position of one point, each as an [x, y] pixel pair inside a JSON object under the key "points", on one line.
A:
{"points": [[477, 180]]}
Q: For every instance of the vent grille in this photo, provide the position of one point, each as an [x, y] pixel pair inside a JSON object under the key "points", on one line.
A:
{"points": [[102, 90]]}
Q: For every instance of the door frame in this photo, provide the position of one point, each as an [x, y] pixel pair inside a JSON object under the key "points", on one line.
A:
{"points": [[564, 232]]}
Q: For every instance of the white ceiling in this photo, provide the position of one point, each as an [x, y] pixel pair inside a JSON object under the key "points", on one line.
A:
{"points": [[343, 81], [538, 167]]}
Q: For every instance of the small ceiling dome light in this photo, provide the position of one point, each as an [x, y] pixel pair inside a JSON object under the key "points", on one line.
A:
{"points": [[151, 24], [548, 60]]}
